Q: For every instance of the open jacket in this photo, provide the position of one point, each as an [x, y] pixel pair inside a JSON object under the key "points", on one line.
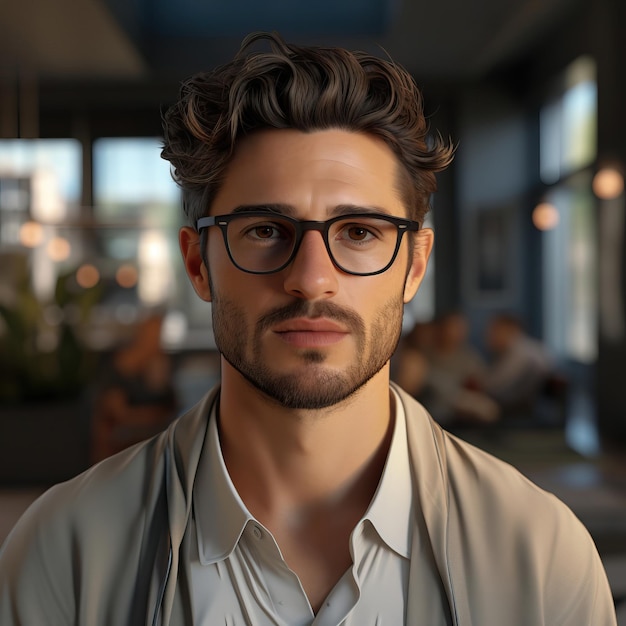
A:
{"points": [[110, 547]]}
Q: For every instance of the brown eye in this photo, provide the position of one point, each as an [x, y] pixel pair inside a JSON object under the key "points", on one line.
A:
{"points": [[357, 233], [265, 232]]}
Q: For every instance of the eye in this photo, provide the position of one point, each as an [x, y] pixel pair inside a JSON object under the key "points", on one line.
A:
{"points": [[267, 231], [264, 232], [358, 232]]}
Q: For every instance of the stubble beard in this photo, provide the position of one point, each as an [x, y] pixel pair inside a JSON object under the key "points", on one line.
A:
{"points": [[319, 387]]}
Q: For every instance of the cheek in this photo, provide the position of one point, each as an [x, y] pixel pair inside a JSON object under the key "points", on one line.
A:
{"points": [[368, 295], [252, 294]]}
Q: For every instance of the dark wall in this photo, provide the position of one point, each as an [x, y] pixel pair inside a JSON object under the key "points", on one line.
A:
{"points": [[610, 28]]}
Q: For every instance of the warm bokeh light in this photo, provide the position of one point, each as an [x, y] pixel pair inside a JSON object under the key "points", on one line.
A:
{"points": [[58, 249], [175, 327], [155, 268], [87, 276], [126, 276], [31, 234], [545, 216], [48, 203], [608, 183]]}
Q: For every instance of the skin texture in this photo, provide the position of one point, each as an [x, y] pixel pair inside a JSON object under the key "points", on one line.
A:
{"points": [[305, 413]]}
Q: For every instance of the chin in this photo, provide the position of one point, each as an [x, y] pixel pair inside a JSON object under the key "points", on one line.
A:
{"points": [[312, 389]]}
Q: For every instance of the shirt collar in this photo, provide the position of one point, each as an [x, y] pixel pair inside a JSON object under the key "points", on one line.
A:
{"points": [[390, 509], [221, 515]]}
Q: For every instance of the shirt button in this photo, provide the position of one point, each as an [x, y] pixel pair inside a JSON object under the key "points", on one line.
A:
{"points": [[257, 532]]}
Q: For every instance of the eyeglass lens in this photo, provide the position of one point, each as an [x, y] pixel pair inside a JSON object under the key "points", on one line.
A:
{"points": [[362, 245]]}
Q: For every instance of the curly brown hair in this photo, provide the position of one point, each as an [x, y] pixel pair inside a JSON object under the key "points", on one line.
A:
{"points": [[302, 88]]}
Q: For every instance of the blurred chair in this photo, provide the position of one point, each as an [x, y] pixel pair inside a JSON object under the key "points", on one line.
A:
{"points": [[135, 397]]}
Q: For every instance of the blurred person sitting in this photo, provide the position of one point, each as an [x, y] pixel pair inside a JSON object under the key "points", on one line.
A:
{"points": [[520, 369], [447, 378], [136, 396], [410, 362]]}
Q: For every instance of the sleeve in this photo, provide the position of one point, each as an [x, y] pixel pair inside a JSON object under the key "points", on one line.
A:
{"points": [[35, 572], [577, 592]]}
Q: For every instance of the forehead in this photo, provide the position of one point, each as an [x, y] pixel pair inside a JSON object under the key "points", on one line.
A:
{"points": [[313, 172]]}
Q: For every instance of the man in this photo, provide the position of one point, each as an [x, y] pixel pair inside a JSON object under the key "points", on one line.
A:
{"points": [[446, 376], [304, 490], [520, 368]]}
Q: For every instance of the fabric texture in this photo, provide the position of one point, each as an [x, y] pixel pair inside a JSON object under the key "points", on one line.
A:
{"points": [[111, 546]]}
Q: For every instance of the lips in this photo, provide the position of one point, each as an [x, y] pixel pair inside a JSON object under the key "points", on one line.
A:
{"points": [[307, 333], [321, 325]]}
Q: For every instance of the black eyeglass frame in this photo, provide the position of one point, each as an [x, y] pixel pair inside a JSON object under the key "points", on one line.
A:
{"points": [[301, 227]]}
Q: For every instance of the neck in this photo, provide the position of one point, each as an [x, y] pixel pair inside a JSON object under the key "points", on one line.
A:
{"points": [[285, 460]]}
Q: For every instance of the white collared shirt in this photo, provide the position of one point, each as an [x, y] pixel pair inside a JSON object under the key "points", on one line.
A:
{"points": [[239, 576]]}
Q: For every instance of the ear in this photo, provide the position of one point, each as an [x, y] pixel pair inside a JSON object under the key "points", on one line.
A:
{"points": [[189, 241], [422, 247]]}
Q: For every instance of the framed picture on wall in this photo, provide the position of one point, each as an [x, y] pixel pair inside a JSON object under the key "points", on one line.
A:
{"points": [[492, 254]]}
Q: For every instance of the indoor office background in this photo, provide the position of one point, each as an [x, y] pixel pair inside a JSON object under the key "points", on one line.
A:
{"points": [[529, 219]]}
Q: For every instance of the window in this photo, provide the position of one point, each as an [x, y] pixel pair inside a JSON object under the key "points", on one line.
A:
{"points": [[567, 152], [40, 190], [570, 301], [136, 210], [138, 214], [568, 123]]}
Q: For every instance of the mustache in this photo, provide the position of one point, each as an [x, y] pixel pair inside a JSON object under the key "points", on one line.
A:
{"points": [[302, 308]]}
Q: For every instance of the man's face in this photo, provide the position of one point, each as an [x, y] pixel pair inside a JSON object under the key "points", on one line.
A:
{"points": [[310, 335]]}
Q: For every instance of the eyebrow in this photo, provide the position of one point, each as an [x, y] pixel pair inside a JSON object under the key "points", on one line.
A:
{"points": [[280, 209], [289, 210]]}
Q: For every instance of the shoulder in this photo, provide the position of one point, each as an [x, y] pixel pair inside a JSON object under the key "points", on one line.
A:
{"points": [[511, 529], [484, 487], [122, 485], [112, 517], [48, 562], [96, 503], [507, 543], [464, 470]]}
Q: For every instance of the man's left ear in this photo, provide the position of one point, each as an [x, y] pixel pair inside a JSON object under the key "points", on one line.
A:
{"points": [[422, 247]]}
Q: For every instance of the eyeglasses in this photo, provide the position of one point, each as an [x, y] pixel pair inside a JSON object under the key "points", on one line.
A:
{"points": [[263, 242]]}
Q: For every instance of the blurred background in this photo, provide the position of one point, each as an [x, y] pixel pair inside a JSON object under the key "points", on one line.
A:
{"points": [[101, 337]]}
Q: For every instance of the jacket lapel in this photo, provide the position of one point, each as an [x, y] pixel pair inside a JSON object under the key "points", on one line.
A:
{"points": [[184, 446], [434, 514]]}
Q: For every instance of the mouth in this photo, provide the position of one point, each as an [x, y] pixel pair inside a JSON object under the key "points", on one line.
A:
{"points": [[311, 333]]}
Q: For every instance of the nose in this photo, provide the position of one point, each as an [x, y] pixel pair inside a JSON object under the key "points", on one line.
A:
{"points": [[312, 275]]}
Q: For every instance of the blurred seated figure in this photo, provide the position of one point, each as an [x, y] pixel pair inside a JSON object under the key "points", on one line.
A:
{"points": [[136, 397], [521, 368], [447, 376], [410, 363]]}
